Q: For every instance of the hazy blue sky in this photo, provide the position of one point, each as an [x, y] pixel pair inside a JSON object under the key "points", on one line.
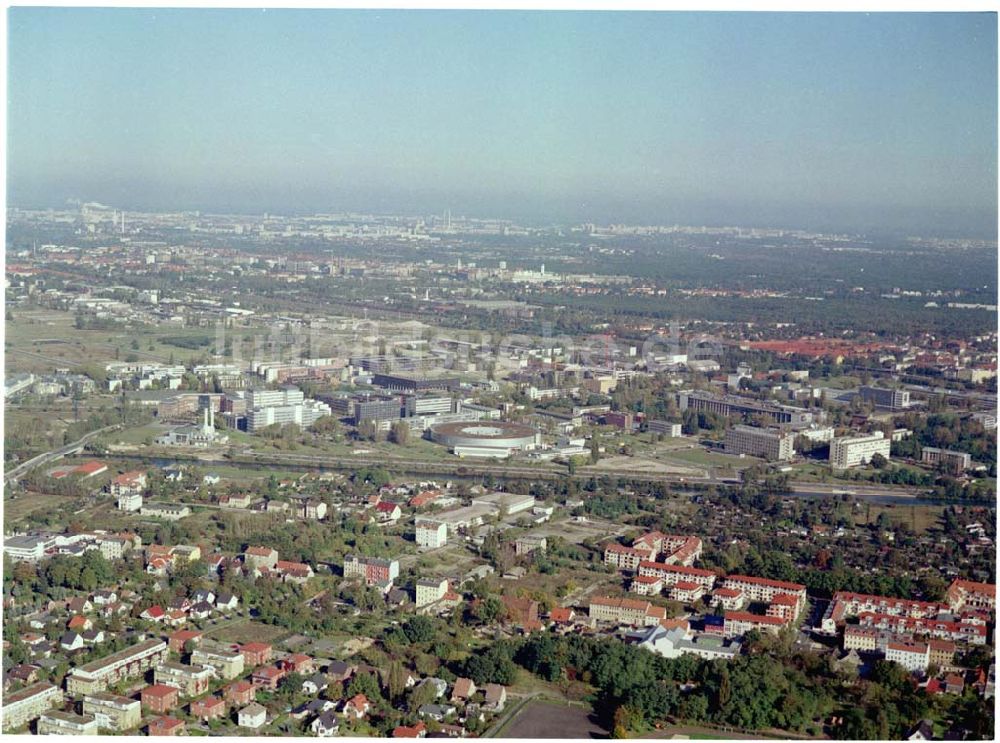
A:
{"points": [[828, 120]]}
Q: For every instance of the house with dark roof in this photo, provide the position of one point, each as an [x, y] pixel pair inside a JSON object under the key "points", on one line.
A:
{"points": [[326, 725]]}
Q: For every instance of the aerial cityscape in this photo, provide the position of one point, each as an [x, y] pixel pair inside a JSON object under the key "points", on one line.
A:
{"points": [[500, 374]]}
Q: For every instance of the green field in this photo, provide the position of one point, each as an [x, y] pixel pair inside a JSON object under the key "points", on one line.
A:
{"points": [[247, 630], [23, 504]]}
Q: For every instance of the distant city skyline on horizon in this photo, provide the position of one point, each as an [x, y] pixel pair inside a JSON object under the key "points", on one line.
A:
{"points": [[843, 122], [74, 204]]}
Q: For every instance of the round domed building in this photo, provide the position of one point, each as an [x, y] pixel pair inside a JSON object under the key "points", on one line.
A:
{"points": [[486, 438]]}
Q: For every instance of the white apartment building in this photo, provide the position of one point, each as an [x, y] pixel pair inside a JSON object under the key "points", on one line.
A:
{"points": [[672, 574], [274, 398], [24, 705], [430, 590], [625, 611], [857, 450], [58, 722], [672, 430], [913, 656], [764, 590], [130, 502], [626, 558], [99, 674], [431, 533], [113, 712], [302, 414], [191, 680], [768, 443], [222, 662]]}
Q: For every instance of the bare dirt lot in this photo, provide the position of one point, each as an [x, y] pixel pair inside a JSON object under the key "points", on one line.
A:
{"points": [[553, 720]]}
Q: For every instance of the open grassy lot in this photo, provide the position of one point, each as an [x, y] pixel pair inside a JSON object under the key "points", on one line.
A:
{"points": [[38, 340], [23, 504], [247, 631], [920, 518], [704, 458]]}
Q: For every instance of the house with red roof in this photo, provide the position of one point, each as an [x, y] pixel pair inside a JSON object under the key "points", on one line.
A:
{"points": [[413, 731], [423, 498], [129, 483], [562, 615], [387, 512], [954, 684], [967, 594], [356, 707], [182, 637], [268, 677], [463, 690], [731, 599], [260, 557], [166, 726], [686, 591], [79, 623], [208, 708], [153, 614], [240, 693], [293, 572], [297, 663], [160, 698], [256, 653]]}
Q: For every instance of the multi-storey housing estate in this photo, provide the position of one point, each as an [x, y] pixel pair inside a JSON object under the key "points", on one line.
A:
{"points": [[128, 483], [430, 591], [863, 639], [372, 569], [885, 398], [765, 590], [225, 662], [672, 574], [626, 558], [60, 722], [913, 656], [730, 599], [191, 680], [851, 451], [973, 633], [27, 704], [738, 623], [967, 594], [955, 462], [646, 585], [431, 533], [686, 591], [771, 444], [98, 675], [726, 405], [675, 549], [847, 604], [626, 611], [113, 712]]}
